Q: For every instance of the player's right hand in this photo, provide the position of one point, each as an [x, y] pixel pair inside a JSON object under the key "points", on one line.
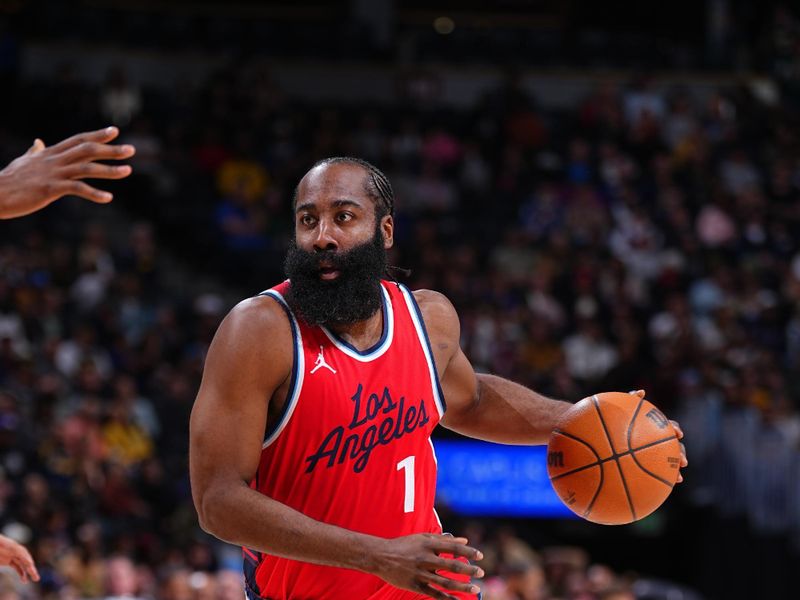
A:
{"points": [[15, 555], [411, 563]]}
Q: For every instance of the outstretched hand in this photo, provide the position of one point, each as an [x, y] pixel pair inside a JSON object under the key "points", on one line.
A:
{"points": [[45, 174], [416, 563], [16, 556]]}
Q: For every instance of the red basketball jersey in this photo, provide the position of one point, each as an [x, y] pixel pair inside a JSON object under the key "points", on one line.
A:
{"points": [[352, 448]]}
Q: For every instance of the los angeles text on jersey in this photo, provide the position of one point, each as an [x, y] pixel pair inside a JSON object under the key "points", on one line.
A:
{"points": [[396, 420]]}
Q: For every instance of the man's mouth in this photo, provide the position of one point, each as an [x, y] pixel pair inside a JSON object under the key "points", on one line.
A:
{"points": [[328, 272]]}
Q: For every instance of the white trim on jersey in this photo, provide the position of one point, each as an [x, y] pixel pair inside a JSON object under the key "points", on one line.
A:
{"points": [[436, 468], [385, 343], [298, 368], [426, 348], [433, 451]]}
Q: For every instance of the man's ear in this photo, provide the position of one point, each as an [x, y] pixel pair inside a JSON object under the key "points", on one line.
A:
{"points": [[387, 228]]}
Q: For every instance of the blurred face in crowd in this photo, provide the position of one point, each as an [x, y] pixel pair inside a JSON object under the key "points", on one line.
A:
{"points": [[176, 586], [121, 577], [229, 585], [339, 252], [528, 583]]}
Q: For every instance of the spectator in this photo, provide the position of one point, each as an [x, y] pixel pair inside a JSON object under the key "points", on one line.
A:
{"points": [[120, 101], [589, 356], [121, 579]]}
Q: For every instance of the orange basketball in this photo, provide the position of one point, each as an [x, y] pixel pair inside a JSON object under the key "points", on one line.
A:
{"points": [[614, 458]]}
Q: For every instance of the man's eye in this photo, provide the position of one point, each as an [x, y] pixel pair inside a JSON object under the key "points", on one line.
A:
{"points": [[307, 220], [343, 217]]}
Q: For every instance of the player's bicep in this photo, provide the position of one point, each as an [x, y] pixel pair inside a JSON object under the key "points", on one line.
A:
{"points": [[460, 388], [229, 416], [226, 429], [456, 375]]}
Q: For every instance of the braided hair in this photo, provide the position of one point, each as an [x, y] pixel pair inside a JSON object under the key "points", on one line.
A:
{"points": [[376, 184]]}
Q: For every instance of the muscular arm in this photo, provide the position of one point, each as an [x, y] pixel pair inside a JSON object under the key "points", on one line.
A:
{"points": [[226, 432], [227, 428], [483, 406]]}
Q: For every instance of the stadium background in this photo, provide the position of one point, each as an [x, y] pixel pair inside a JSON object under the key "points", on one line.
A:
{"points": [[608, 192]]}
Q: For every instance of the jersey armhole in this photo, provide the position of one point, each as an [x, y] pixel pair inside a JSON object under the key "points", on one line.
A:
{"points": [[298, 368], [422, 333]]}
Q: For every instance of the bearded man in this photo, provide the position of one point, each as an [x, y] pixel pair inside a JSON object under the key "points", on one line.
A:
{"points": [[310, 436]]}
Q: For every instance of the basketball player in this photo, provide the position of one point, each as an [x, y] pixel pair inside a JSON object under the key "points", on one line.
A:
{"points": [[310, 436], [45, 174]]}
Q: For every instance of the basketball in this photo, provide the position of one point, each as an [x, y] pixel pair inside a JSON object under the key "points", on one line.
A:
{"points": [[614, 458]]}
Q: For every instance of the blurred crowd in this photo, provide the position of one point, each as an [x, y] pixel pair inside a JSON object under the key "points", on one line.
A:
{"points": [[649, 238], [99, 365]]}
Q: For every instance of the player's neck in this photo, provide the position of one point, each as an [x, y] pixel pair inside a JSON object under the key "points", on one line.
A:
{"points": [[363, 334]]}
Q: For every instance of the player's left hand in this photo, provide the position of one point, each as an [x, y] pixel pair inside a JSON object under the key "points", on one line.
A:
{"points": [[678, 431], [15, 555]]}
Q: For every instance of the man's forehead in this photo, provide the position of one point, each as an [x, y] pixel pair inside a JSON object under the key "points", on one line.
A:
{"points": [[334, 179]]}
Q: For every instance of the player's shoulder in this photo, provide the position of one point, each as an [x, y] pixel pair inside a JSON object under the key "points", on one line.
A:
{"points": [[252, 348], [432, 298], [436, 309], [256, 317]]}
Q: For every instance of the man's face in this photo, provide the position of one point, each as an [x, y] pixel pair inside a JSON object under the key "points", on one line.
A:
{"points": [[339, 251]]}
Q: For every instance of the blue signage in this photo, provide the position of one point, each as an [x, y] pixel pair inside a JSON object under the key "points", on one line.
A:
{"points": [[483, 479]]}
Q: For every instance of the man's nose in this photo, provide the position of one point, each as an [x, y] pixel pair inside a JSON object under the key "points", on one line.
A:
{"points": [[325, 239]]}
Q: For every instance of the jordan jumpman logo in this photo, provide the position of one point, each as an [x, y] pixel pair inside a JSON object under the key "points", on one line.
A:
{"points": [[321, 363]]}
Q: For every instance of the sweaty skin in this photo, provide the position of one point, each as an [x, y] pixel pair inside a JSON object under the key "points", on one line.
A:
{"points": [[229, 417]]}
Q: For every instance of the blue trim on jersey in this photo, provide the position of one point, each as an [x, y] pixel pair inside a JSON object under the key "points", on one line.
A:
{"points": [[295, 352], [251, 594], [384, 333], [249, 567], [418, 312]]}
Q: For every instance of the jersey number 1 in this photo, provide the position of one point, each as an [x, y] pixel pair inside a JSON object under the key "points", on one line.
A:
{"points": [[407, 464]]}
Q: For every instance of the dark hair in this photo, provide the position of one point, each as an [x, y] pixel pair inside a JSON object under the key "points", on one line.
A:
{"points": [[376, 184]]}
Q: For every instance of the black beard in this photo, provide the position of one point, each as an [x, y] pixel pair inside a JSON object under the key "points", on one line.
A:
{"points": [[355, 295]]}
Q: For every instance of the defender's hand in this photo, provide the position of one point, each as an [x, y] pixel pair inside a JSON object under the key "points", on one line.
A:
{"points": [[45, 174], [16, 556]]}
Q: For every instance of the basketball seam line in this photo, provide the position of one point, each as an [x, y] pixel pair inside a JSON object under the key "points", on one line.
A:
{"points": [[633, 456], [601, 461], [602, 475], [615, 456]]}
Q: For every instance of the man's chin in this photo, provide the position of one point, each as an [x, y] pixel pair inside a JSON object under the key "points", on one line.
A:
{"points": [[337, 301], [341, 287]]}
